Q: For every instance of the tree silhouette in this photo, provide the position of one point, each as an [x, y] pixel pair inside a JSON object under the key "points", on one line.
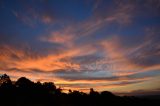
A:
{"points": [[93, 92], [5, 82], [49, 86], [107, 93], [5, 79], [24, 92], [24, 82]]}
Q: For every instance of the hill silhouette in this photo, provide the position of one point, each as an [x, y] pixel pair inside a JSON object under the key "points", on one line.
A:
{"points": [[25, 92]]}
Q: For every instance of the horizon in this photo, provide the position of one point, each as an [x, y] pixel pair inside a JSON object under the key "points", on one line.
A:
{"points": [[137, 93], [108, 45]]}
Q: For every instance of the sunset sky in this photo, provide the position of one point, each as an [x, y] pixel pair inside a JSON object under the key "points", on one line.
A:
{"points": [[109, 45]]}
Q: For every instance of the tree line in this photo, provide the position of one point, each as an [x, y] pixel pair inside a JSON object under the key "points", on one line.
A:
{"points": [[25, 92]]}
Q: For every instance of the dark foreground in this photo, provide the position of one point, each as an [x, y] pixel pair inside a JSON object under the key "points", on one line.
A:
{"points": [[24, 92]]}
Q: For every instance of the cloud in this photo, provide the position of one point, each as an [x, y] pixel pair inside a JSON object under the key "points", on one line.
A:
{"points": [[141, 92], [121, 15], [63, 37], [47, 19], [80, 63], [146, 53], [69, 37], [116, 12], [97, 75], [25, 59], [98, 85], [114, 62], [33, 15]]}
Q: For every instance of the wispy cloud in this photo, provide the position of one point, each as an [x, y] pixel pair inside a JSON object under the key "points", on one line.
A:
{"points": [[32, 15]]}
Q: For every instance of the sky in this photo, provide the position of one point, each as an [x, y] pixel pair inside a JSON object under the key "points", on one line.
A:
{"points": [[109, 45]]}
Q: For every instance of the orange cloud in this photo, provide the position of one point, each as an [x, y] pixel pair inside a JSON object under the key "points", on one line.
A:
{"points": [[117, 57], [47, 19], [65, 37]]}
